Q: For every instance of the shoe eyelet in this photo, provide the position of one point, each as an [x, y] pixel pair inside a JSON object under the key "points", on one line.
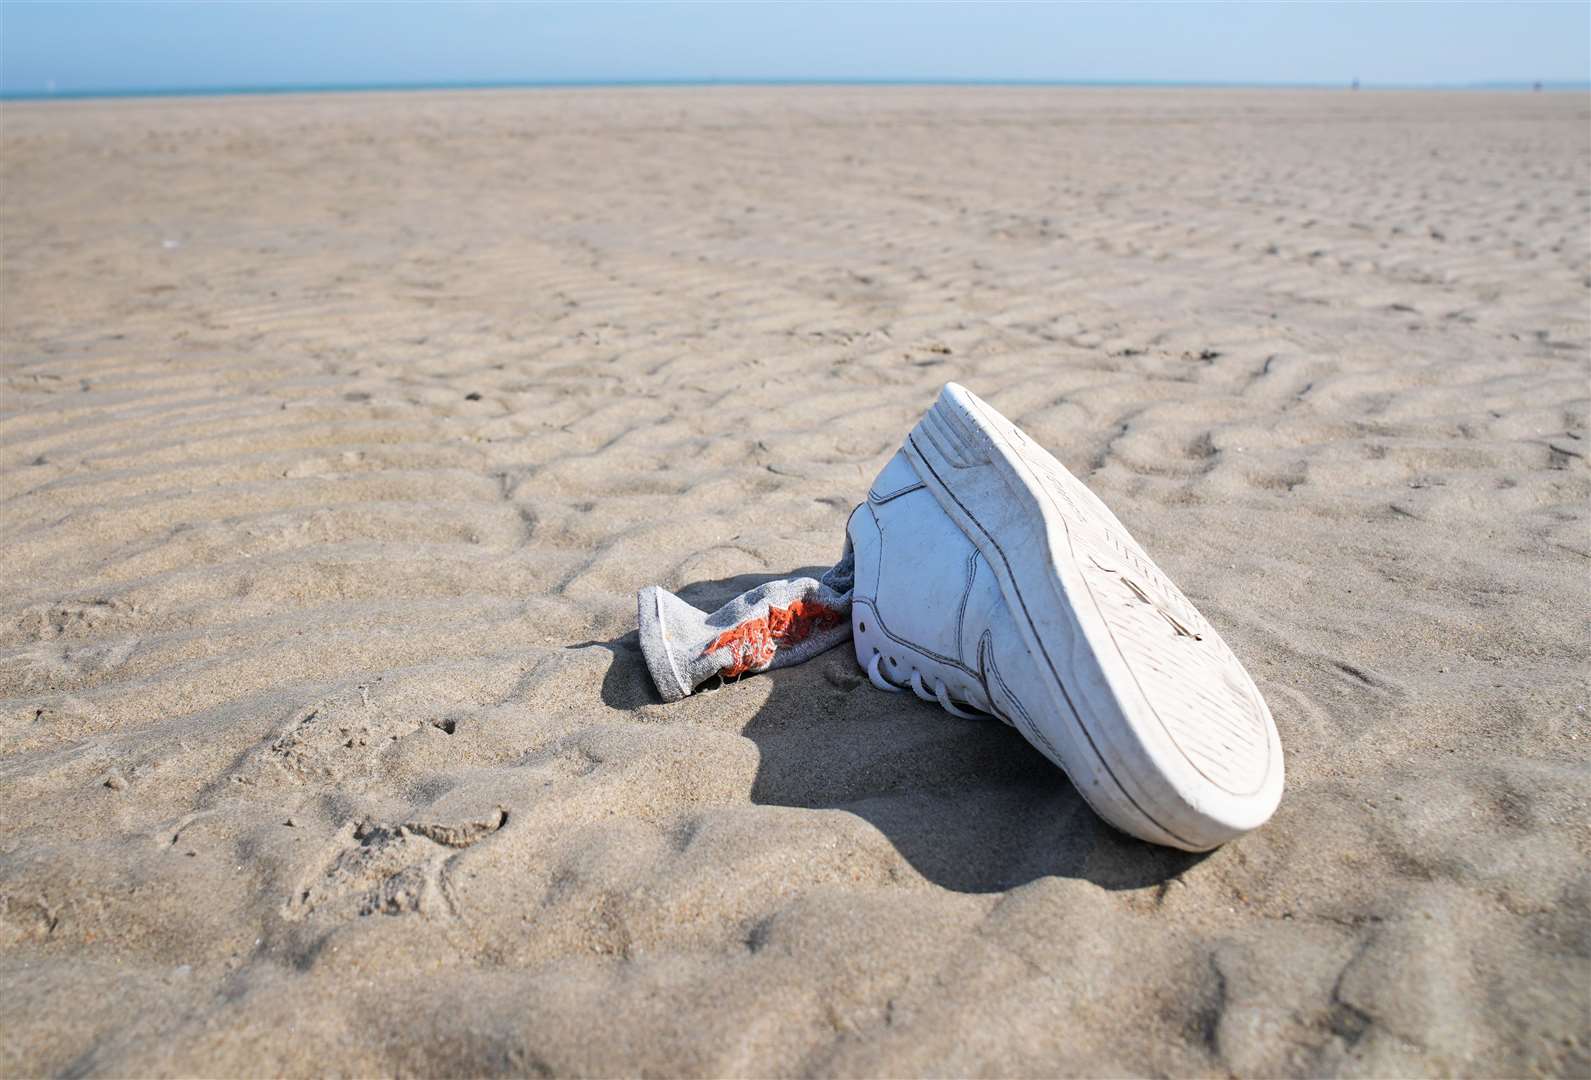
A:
{"points": [[862, 626], [875, 650], [894, 662]]}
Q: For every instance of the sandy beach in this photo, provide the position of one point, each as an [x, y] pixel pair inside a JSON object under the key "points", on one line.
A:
{"points": [[339, 432]]}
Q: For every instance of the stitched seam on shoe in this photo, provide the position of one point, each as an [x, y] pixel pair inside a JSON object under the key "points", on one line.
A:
{"points": [[903, 643], [966, 594], [986, 662], [879, 500]]}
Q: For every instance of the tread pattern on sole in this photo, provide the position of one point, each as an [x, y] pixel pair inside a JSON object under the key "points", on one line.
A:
{"points": [[1191, 680], [1129, 814], [1184, 670]]}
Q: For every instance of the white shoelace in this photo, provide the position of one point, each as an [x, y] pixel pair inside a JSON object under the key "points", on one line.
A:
{"points": [[940, 694]]}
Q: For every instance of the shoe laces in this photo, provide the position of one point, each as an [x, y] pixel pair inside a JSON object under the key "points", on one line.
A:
{"points": [[940, 694]]}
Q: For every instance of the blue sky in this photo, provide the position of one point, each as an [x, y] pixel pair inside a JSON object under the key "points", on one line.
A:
{"points": [[77, 47]]}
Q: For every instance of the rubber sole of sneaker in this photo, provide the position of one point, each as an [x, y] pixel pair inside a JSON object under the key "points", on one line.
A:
{"points": [[1148, 712]]}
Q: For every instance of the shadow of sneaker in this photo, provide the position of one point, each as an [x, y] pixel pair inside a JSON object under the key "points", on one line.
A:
{"points": [[968, 803]]}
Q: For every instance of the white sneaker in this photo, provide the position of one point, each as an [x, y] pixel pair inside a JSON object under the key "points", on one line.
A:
{"points": [[989, 578]]}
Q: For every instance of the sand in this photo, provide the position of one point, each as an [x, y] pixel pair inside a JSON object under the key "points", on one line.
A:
{"points": [[339, 432]]}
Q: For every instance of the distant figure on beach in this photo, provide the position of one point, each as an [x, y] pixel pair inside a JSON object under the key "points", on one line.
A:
{"points": [[1356, 82]]}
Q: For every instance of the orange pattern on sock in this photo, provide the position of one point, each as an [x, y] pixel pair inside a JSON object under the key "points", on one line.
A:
{"points": [[754, 642]]}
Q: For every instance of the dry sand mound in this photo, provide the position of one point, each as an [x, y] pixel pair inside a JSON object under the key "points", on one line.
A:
{"points": [[339, 432]]}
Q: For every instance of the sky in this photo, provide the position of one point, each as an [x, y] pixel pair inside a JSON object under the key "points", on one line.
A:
{"points": [[72, 47]]}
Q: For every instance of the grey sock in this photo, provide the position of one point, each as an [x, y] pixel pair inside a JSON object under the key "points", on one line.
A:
{"points": [[774, 625]]}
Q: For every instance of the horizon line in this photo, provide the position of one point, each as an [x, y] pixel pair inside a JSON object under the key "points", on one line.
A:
{"points": [[731, 81]]}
